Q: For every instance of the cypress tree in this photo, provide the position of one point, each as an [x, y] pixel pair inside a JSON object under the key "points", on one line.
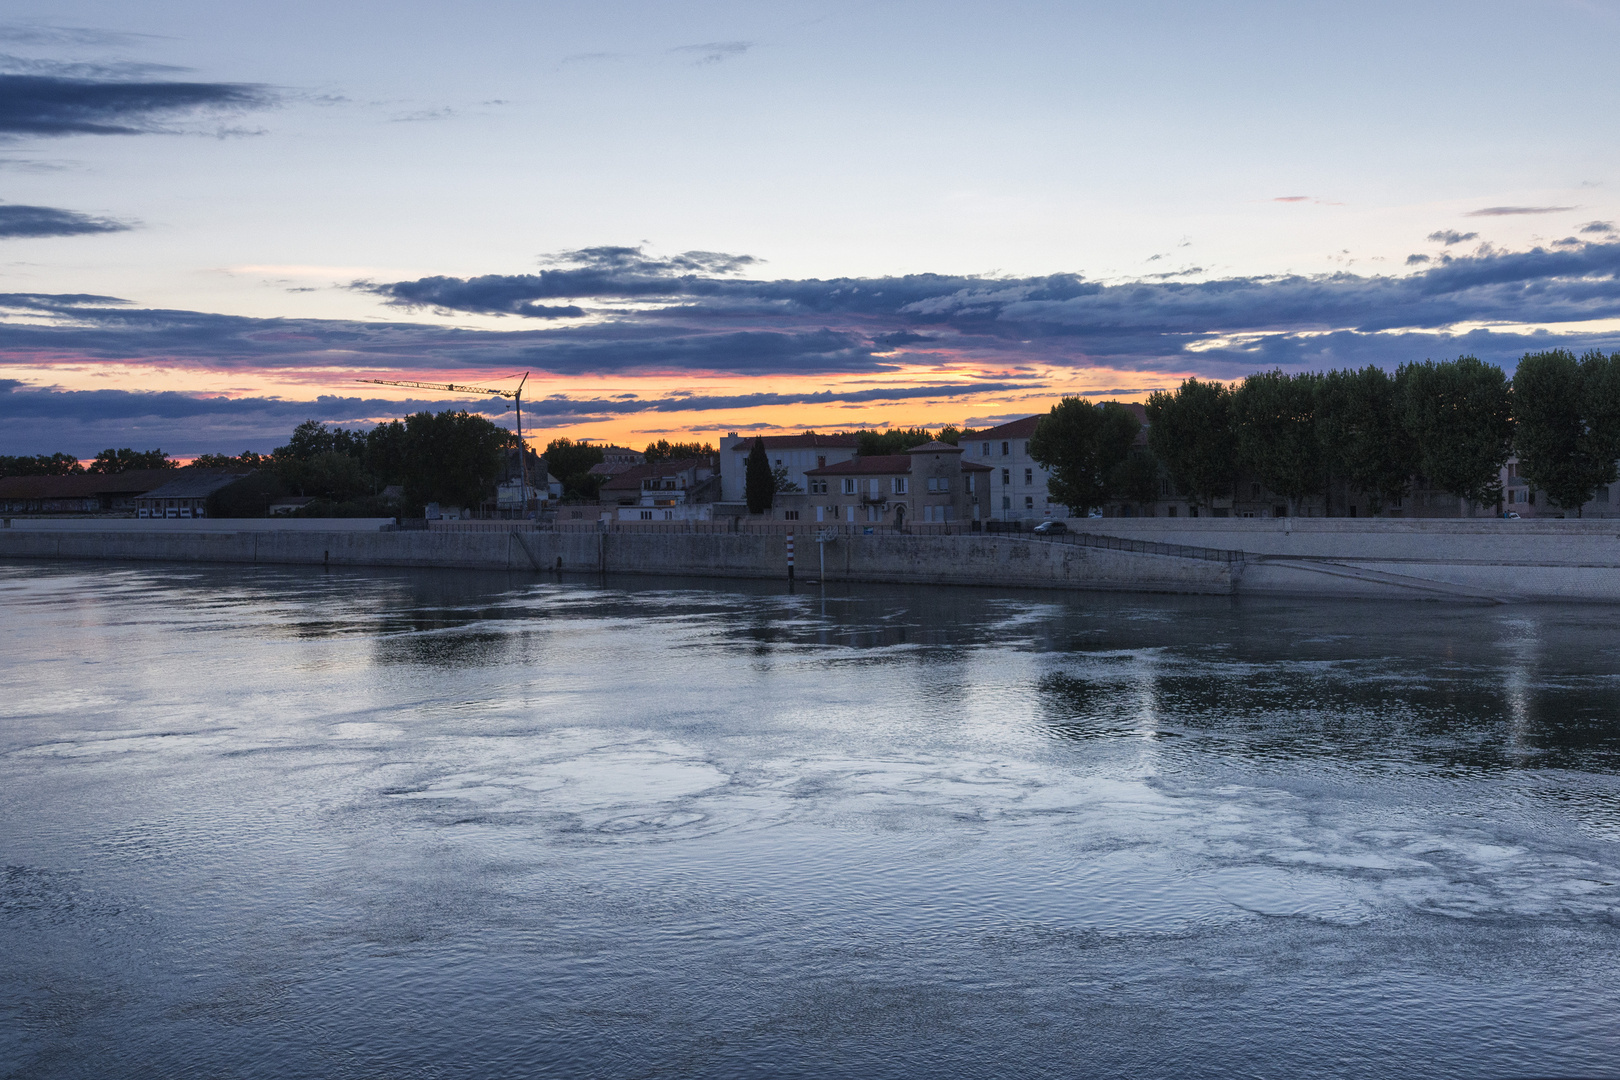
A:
{"points": [[759, 485]]}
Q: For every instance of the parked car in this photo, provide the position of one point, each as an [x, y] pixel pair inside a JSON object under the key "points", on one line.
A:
{"points": [[1050, 527], [1514, 514]]}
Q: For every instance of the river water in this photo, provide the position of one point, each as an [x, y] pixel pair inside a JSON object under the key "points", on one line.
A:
{"points": [[264, 822]]}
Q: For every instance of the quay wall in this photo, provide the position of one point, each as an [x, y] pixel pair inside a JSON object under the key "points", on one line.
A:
{"points": [[1484, 560], [957, 560]]}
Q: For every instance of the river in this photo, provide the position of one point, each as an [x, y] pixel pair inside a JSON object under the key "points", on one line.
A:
{"points": [[261, 822]]}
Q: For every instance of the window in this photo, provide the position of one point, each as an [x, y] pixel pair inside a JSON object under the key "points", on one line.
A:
{"points": [[1006, 502], [790, 515], [821, 513], [849, 485], [646, 515], [899, 485], [1005, 449], [872, 486], [970, 483], [984, 451], [1026, 448], [849, 514], [1029, 477], [933, 483], [1029, 502], [818, 487], [669, 515], [1006, 477], [944, 483]]}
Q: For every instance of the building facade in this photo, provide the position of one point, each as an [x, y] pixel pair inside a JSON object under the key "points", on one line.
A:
{"points": [[929, 484], [663, 491], [797, 454]]}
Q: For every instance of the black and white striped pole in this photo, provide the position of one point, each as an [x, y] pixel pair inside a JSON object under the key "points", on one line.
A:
{"points": [[790, 558]]}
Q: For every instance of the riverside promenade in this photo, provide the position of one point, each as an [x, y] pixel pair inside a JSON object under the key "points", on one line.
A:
{"points": [[1471, 560]]}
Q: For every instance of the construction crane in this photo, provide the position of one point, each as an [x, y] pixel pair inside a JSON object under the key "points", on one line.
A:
{"points": [[515, 395]]}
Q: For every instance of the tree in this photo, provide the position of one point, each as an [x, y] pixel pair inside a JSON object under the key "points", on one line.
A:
{"points": [[870, 443], [1190, 432], [1136, 479], [1359, 424], [384, 454], [40, 465], [312, 438], [249, 497], [759, 486], [1274, 422], [117, 461], [1082, 444], [247, 459], [781, 481], [571, 463], [1459, 413], [453, 458], [1565, 432], [664, 450]]}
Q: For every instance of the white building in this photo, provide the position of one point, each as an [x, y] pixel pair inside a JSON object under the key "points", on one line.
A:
{"points": [[798, 454], [1017, 481]]}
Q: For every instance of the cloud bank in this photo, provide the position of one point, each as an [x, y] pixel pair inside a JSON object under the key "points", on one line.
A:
{"points": [[29, 222], [55, 105], [620, 311]]}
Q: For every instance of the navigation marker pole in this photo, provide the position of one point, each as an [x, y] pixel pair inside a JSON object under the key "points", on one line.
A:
{"points": [[790, 558]]}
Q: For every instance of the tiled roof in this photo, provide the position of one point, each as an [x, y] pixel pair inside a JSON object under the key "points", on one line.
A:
{"points": [[788, 442], [84, 485], [935, 447], [196, 483], [630, 479], [877, 464], [1012, 429], [974, 466]]}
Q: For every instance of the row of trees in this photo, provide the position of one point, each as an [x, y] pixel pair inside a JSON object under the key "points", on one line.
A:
{"points": [[453, 457], [1453, 424], [107, 462]]}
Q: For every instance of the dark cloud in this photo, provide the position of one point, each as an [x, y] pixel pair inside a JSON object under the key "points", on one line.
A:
{"points": [[650, 314], [38, 221], [43, 34], [714, 52], [1416, 260], [1598, 227], [1452, 236], [59, 105], [1516, 211], [83, 421]]}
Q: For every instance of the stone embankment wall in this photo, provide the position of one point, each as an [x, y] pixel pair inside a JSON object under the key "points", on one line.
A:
{"points": [[960, 560], [1482, 560]]}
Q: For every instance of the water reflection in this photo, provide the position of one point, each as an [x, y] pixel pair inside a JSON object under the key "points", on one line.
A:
{"points": [[267, 822]]}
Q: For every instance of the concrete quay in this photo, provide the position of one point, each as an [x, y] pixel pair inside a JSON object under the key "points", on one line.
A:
{"points": [[1461, 560]]}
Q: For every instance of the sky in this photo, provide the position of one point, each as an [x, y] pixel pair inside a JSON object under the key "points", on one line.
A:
{"points": [[684, 219]]}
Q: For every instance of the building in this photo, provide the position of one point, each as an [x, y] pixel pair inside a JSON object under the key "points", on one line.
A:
{"points": [[797, 454], [930, 484], [682, 490], [186, 494], [1017, 481], [79, 493]]}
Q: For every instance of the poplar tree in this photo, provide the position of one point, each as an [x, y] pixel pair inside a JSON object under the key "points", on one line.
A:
{"points": [[1459, 413], [1359, 423], [1274, 421], [1567, 423], [1190, 431], [1083, 444]]}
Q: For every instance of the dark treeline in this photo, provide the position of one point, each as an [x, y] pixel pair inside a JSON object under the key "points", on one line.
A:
{"points": [[107, 462], [1450, 425], [453, 458]]}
